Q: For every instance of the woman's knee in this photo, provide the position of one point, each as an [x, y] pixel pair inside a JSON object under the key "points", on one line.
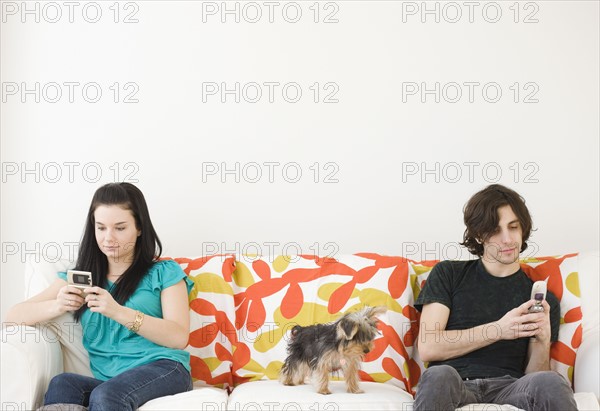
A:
{"points": [[105, 397], [61, 380]]}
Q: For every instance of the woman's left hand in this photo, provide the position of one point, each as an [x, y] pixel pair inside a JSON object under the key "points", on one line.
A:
{"points": [[101, 301]]}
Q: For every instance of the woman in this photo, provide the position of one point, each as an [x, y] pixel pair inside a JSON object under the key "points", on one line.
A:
{"points": [[135, 317]]}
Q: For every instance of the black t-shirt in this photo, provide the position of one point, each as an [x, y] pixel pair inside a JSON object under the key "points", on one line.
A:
{"points": [[476, 297]]}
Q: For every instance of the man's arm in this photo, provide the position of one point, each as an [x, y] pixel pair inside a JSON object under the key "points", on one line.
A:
{"points": [[435, 343], [538, 351]]}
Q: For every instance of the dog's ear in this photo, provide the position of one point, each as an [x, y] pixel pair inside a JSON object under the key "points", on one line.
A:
{"points": [[372, 312], [347, 328], [296, 330]]}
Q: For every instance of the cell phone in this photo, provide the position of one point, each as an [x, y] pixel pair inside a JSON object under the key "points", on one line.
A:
{"points": [[79, 279], [538, 293]]}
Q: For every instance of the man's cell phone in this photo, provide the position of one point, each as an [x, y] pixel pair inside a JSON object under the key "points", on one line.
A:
{"points": [[79, 279], [538, 293]]}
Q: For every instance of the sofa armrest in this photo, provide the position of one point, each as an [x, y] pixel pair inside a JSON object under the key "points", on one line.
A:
{"points": [[586, 377], [31, 356]]}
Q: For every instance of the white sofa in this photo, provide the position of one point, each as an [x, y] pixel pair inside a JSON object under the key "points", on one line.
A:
{"points": [[31, 356]]}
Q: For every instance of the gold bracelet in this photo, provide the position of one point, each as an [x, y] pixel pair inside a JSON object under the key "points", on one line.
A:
{"points": [[139, 319]]}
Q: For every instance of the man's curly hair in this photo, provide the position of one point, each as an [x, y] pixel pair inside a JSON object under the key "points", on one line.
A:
{"points": [[481, 216]]}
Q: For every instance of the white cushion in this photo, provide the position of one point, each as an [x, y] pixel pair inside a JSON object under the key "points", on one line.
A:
{"points": [[488, 407], [38, 276], [200, 398], [31, 356], [587, 401], [587, 377], [272, 395]]}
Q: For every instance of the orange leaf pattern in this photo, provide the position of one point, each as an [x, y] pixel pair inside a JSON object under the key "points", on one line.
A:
{"points": [[239, 329], [314, 290]]}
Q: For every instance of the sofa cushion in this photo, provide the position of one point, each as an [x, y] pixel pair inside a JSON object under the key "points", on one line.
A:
{"points": [[273, 295], [211, 319], [39, 274], [561, 276], [200, 398], [271, 395]]}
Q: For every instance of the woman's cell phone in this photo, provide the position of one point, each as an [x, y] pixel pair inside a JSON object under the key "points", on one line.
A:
{"points": [[79, 279]]}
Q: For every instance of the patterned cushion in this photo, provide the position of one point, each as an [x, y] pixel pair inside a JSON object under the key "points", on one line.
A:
{"points": [[271, 296], [562, 278], [243, 308], [211, 314], [560, 274]]}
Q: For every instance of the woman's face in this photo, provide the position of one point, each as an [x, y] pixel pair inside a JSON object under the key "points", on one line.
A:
{"points": [[116, 232]]}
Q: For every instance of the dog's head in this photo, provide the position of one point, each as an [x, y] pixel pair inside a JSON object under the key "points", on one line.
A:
{"points": [[357, 330]]}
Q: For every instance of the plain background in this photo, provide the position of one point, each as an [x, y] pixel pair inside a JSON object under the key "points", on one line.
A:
{"points": [[364, 160]]}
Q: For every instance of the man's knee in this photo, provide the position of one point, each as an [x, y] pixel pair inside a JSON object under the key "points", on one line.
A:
{"points": [[549, 381], [441, 373]]}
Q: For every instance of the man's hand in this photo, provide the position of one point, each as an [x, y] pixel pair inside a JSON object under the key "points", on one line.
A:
{"points": [[538, 351], [518, 323], [543, 333]]}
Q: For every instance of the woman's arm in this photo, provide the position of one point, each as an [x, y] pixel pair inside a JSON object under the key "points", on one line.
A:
{"points": [[170, 331], [55, 300]]}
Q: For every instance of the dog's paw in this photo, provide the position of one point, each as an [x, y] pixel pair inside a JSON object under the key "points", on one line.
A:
{"points": [[356, 391], [325, 391]]}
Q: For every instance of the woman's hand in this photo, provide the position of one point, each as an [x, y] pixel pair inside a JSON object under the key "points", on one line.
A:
{"points": [[69, 298], [101, 301]]}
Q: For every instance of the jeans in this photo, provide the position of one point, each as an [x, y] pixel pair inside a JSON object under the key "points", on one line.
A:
{"points": [[442, 388], [126, 391]]}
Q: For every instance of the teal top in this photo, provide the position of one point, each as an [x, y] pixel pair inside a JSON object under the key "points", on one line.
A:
{"points": [[112, 348]]}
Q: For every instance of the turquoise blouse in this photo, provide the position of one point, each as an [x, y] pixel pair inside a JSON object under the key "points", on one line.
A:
{"points": [[112, 348]]}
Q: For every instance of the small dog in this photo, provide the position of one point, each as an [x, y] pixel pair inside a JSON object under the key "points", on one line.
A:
{"points": [[319, 349]]}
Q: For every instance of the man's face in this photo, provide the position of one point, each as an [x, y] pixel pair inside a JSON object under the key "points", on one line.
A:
{"points": [[504, 245]]}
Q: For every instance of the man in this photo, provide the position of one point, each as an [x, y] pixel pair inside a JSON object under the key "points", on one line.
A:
{"points": [[481, 343]]}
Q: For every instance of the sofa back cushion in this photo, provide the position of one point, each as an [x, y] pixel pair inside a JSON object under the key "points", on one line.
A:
{"points": [[562, 278], [243, 307], [273, 295], [211, 319]]}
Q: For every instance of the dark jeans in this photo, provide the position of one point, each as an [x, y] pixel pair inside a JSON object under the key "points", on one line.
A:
{"points": [[126, 391], [442, 388]]}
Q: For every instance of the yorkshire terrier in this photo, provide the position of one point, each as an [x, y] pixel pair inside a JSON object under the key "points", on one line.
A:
{"points": [[317, 350]]}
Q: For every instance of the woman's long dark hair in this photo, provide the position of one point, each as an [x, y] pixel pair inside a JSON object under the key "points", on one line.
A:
{"points": [[148, 247], [481, 216]]}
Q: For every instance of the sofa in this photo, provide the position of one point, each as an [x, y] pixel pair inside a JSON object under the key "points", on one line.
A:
{"points": [[243, 307]]}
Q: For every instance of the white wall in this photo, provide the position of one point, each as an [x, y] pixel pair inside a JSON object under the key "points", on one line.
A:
{"points": [[375, 142]]}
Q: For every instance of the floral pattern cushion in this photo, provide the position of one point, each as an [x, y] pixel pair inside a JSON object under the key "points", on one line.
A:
{"points": [[561, 276], [272, 296], [242, 309]]}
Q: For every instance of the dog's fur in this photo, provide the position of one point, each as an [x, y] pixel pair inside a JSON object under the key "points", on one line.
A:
{"points": [[319, 349]]}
